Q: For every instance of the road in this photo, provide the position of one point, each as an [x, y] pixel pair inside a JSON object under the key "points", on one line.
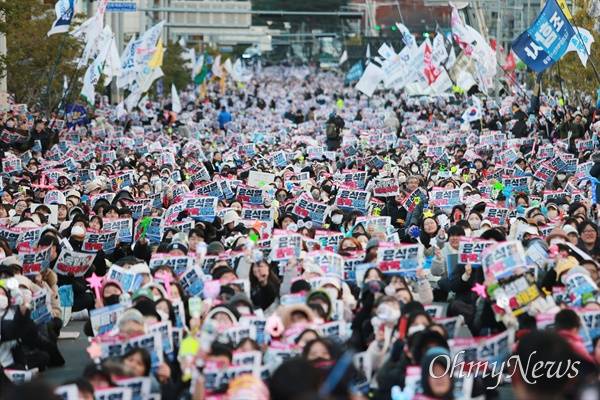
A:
{"points": [[76, 358]]}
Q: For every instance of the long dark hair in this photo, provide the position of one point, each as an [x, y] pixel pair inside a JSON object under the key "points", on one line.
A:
{"points": [[145, 358]]}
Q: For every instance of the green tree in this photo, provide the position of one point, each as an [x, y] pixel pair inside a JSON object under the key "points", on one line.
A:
{"points": [[173, 68], [32, 56], [576, 77]]}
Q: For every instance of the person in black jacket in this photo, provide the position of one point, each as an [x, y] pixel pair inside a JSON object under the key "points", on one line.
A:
{"points": [[264, 284], [333, 131], [45, 136], [519, 130]]}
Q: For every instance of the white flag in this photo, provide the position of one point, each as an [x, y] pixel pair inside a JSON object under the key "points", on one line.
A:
{"points": [[112, 66], [132, 100], [198, 66], [576, 44], [228, 66], [407, 37], [147, 77], [92, 74], [121, 111], [473, 113], [175, 102], [147, 45], [241, 73], [96, 38], [370, 79], [64, 9], [142, 106], [127, 75], [343, 58], [216, 67]]}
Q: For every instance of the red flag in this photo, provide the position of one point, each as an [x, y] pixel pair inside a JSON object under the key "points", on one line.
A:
{"points": [[431, 71]]}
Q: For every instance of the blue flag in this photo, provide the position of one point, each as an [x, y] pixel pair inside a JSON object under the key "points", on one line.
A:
{"points": [[547, 40], [355, 72], [65, 9]]}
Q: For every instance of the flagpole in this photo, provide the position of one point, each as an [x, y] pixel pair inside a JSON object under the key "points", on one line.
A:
{"points": [[67, 93], [560, 80], [523, 93], [53, 72]]}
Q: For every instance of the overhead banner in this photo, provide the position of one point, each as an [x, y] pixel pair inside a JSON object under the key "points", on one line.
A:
{"points": [[547, 40]]}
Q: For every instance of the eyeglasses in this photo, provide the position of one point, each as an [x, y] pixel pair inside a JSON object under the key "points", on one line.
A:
{"points": [[592, 230]]}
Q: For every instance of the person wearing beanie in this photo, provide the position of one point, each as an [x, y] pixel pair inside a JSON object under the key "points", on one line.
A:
{"points": [[178, 249], [214, 249]]}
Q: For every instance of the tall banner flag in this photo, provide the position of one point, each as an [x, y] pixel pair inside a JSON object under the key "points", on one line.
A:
{"points": [[582, 44], [92, 74], [176, 103], [216, 67], [547, 40], [407, 38], [354, 73], [65, 9]]}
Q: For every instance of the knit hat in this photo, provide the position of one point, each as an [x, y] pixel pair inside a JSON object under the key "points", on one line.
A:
{"points": [[132, 315], [215, 248]]}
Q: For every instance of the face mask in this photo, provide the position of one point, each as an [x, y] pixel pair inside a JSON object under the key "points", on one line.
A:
{"points": [[337, 219], [415, 329], [414, 169], [77, 231], [388, 313], [401, 178], [389, 290], [111, 300], [3, 303], [27, 296]]}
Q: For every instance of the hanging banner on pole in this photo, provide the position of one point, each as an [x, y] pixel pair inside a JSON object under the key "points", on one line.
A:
{"points": [[547, 40]]}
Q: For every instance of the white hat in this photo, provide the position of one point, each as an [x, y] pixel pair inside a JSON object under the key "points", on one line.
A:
{"points": [[55, 197], [74, 193], [140, 268], [93, 185], [532, 230], [231, 216], [568, 228]]}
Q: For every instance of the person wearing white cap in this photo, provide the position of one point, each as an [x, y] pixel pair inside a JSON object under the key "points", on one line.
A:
{"points": [[572, 233]]}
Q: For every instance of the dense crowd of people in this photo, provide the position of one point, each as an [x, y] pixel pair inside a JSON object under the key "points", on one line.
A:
{"points": [[291, 239]]}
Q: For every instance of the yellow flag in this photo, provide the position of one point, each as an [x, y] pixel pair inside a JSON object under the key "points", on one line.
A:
{"points": [[565, 9], [157, 58]]}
